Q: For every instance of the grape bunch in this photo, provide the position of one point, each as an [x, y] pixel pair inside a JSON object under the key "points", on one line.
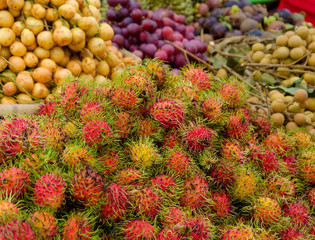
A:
{"points": [[144, 32]]}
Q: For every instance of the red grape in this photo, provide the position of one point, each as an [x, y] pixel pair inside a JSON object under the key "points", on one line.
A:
{"points": [[136, 14], [168, 48], [180, 59], [167, 32], [149, 25], [176, 37], [150, 49], [112, 3], [138, 53], [190, 29], [119, 40], [122, 13], [133, 28], [169, 22], [143, 36], [190, 47], [160, 54], [179, 18], [111, 14]]}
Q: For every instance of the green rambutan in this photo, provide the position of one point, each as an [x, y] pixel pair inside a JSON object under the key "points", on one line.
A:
{"points": [[173, 217], [231, 151], [124, 97], [44, 223], [17, 230], [302, 140], [245, 185], [143, 154], [139, 229], [116, 203], [196, 192], [221, 204], [198, 137], [169, 113], [145, 202], [238, 233], [129, 178], [14, 182], [87, 187], [168, 234], [298, 213], [8, 211], [49, 191], [178, 163], [198, 77], [97, 133], [198, 228], [266, 211], [77, 227]]}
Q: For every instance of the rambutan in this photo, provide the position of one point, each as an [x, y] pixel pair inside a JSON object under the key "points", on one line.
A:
{"points": [[76, 156], [173, 217], [196, 192], [87, 187], [44, 223], [198, 78], [123, 124], [290, 165], [278, 186], [231, 151], [69, 98], [91, 111], [178, 163], [171, 140], [19, 135], [17, 230], [54, 137], [266, 211], [236, 127], [184, 93], [212, 109], [231, 95], [165, 186], [116, 203], [77, 227], [198, 228], [262, 126], [223, 173], [298, 213], [238, 233], [245, 185], [139, 84], [302, 140], [277, 142], [168, 234], [47, 109], [157, 72], [97, 133], [169, 113], [50, 190], [129, 177], [147, 128], [139, 229], [124, 97], [268, 161], [292, 234], [198, 137], [262, 234], [221, 204], [108, 163], [8, 211], [13, 181], [311, 197], [145, 202], [306, 165], [143, 154]]}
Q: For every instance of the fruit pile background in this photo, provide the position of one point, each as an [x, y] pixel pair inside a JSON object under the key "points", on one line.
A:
{"points": [[154, 155]]}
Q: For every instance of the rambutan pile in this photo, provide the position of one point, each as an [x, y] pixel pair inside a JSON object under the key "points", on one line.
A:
{"points": [[154, 155]]}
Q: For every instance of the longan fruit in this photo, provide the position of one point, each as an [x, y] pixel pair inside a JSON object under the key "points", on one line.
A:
{"points": [[302, 31], [257, 56], [301, 95], [300, 119], [296, 53], [289, 34], [278, 119], [291, 126], [278, 106], [276, 96], [282, 40], [258, 47], [295, 41], [311, 60], [281, 52]]}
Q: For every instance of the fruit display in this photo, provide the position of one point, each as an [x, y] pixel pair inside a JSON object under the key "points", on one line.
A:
{"points": [[218, 19], [153, 34], [45, 42], [154, 154]]}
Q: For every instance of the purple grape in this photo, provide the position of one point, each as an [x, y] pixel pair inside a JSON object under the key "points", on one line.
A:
{"points": [[111, 14], [197, 43], [133, 5], [142, 47], [112, 3], [133, 48], [180, 44], [190, 36], [169, 22], [124, 3], [136, 14], [119, 40], [160, 54], [122, 13], [181, 28], [138, 53], [117, 30], [158, 19], [149, 25], [145, 13], [190, 47], [185, 40], [133, 28], [167, 32], [168, 48], [127, 44], [150, 50], [180, 60], [179, 18], [176, 37], [143, 36], [190, 29], [160, 43], [126, 21], [124, 32], [152, 38]]}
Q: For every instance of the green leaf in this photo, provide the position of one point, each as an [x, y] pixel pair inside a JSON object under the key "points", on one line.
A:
{"points": [[292, 90], [217, 61], [267, 79]]}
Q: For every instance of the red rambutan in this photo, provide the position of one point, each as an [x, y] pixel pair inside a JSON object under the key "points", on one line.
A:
{"points": [[97, 133], [13, 181], [168, 234], [91, 111], [8, 211], [298, 214], [124, 97], [109, 163], [221, 204], [231, 94], [123, 124], [277, 186], [44, 223], [77, 227], [50, 191], [196, 192], [236, 127], [17, 230], [178, 163], [292, 234], [231, 151], [173, 217], [268, 161], [266, 211], [139, 229], [277, 142], [197, 138], [311, 197], [198, 77], [87, 187], [223, 173], [129, 178], [262, 126], [199, 228], [168, 113], [212, 109], [47, 109], [238, 233]]}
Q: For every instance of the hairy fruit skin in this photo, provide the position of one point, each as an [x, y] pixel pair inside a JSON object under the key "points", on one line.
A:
{"points": [[165, 185], [212, 109], [139, 229], [245, 185], [77, 227], [298, 214], [13, 181], [17, 230], [97, 133], [173, 217], [91, 111], [178, 163], [8, 211], [306, 165], [143, 154], [125, 98], [223, 173], [221, 204], [198, 77], [87, 187], [198, 138], [231, 151], [231, 95], [168, 234], [266, 211], [50, 191], [169, 113], [199, 228], [129, 178], [236, 127], [238, 233], [311, 197], [292, 234], [44, 223]]}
